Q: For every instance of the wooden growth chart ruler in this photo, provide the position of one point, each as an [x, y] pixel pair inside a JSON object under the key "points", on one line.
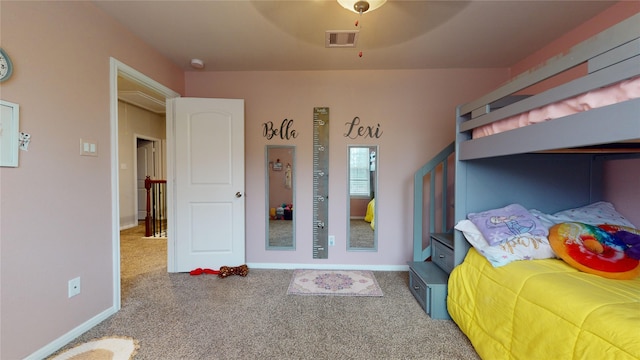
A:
{"points": [[320, 182]]}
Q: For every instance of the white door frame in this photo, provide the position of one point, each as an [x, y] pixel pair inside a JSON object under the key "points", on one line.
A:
{"points": [[119, 68], [158, 163]]}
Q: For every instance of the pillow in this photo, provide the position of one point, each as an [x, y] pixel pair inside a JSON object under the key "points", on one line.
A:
{"points": [[601, 212], [519, 247], [545, 219], [629, 236], [503, 224], [595, 250]]}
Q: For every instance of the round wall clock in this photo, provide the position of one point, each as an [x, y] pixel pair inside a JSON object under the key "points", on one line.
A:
{"points": [[6, 67]]}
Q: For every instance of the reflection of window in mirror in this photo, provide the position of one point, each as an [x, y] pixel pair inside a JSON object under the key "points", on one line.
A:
{"points": [[280, 195], [362, 214]]}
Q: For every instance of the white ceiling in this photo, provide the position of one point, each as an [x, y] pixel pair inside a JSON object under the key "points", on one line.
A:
{"points": [[262, 35]]}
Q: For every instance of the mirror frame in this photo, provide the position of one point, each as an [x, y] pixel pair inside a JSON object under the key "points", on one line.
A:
{"points": [[375, 191], [293, 197]]}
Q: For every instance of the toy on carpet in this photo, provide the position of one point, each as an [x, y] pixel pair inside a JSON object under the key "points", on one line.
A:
{"points": [[241, 270], [224, 271], [282, 212], [200, 271]]}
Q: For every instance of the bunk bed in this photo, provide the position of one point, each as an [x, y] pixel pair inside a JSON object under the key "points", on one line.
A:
{"points": [[546, 308]]}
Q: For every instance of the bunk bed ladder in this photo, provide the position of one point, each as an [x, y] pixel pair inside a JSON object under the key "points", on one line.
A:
{"points": [[430, 168]]}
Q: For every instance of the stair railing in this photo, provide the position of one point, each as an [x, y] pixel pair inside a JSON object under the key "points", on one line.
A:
{"points": [[156, 218], [430, 168]]}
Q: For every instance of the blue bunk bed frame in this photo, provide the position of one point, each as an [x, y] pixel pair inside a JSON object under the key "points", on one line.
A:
{"points": [[430, 169], [531, 165]]}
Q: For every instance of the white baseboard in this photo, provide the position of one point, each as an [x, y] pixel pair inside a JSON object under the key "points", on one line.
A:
{"points": [[127, 226], [60, 342], [282, 266]]}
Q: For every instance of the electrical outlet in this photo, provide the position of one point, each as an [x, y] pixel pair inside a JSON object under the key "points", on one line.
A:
{"points": [[332, 240], [74, 287]]}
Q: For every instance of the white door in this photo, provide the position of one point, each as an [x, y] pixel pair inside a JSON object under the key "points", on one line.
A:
{"points": [[208, 183], [145, 167]]}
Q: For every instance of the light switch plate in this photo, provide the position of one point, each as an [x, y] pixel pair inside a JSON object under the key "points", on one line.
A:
{"points": [[88, 147]]}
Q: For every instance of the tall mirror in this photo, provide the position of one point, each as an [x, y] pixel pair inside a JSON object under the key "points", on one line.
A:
{"points": [[362, 190], [280, 193]]}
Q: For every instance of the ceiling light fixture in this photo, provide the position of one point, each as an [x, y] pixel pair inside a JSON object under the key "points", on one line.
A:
{"points": [[361, 6], [197, 64]]}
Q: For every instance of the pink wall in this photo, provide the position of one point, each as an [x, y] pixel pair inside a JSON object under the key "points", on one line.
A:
{"points": [[358, 207], [278, 192], [622, 181], [600, 22], [56, 206], [415, 111]]}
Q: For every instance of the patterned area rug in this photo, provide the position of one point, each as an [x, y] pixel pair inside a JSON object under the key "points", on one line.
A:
{"points": [[334, 282], [106, 348]]}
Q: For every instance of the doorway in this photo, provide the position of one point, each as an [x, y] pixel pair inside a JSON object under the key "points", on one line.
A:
{"points": [[122, 70], [148, 162]]}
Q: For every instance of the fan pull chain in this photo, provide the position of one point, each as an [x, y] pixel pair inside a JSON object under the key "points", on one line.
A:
{"points": [[359, 27]]}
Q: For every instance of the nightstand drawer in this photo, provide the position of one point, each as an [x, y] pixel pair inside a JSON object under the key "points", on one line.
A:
{"points": [[442, 256], [428, 284], [418, 288]]}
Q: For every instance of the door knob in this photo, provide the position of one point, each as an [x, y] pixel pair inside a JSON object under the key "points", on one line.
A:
{"points": [[238, 194]]}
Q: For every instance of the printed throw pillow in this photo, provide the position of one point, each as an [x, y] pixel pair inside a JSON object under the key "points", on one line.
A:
{"points": [[601, 212], [602, 250], [520, 247], [501, 225]]}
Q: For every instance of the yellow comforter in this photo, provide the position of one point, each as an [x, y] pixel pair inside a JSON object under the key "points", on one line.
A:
{"points": [[370, 215], [544, 309]]}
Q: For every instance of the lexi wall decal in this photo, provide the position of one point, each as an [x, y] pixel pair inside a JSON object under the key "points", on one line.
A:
{"points": [[284, 132], [355, 130]]}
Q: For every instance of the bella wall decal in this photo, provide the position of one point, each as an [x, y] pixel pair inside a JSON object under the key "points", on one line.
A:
{"points": [[285, 131], [354, 130]]}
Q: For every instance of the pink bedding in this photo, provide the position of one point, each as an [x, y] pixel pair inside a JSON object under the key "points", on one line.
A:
{"points": [[619, 92]]}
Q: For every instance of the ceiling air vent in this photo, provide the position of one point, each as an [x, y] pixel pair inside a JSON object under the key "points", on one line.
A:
{"points": [[341, 38]]}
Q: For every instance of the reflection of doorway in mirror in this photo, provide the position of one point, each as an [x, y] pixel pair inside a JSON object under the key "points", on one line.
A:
{"points": [[362, 180], [280, 197]]}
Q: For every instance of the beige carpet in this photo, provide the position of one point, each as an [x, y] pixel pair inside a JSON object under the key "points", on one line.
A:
{"points": [[361, 234], [184, 317], [139, 256], [281, 233]]}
